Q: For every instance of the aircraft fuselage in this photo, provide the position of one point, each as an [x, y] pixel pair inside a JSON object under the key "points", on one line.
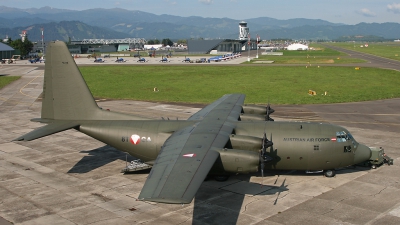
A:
{"points": [[296, 145]]}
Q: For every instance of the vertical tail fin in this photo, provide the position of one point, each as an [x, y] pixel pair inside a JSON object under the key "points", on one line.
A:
{"points": [[67, 100], [65, 93]]}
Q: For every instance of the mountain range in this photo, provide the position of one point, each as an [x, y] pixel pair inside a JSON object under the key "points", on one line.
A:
{"points": [[62, 24]]}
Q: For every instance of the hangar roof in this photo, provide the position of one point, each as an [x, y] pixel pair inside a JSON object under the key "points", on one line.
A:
{"points": [[4, 47], [202, 46]]}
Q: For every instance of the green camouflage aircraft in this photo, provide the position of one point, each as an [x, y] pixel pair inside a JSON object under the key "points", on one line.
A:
{"points": [[223, 138]]}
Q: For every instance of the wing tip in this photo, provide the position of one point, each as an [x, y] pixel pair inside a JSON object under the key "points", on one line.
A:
{"points": [[19, 139], [166, 200]]}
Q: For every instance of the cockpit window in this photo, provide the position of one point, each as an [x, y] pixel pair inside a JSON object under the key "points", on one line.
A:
{"points": [[342, 136]]}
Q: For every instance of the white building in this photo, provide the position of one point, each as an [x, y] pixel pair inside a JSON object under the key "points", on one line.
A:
{"points": [[151, 47], [295, 47]]}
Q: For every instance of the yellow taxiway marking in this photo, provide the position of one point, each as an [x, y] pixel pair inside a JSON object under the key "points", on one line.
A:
{"points": [[21, 90]]}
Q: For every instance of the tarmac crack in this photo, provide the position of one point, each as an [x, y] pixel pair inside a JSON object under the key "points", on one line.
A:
{"points": [[333, 208], [245, 207], [380, 191]]}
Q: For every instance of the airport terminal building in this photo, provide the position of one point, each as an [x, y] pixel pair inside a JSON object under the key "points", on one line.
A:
{"points": [[221, 46], [218, 46]]}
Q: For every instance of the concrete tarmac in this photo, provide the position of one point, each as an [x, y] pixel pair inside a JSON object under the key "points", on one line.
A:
{"points": [[70, 178]]}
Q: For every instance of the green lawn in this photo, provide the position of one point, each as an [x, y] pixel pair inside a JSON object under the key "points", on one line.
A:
{"points": [[7, 80], [319, 55], [279, 85], [389, 50]]}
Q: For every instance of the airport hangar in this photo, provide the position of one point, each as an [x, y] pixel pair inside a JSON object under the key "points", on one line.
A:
{"points": [[89, 46], [216, 46], [6, 52], [198, 46]]}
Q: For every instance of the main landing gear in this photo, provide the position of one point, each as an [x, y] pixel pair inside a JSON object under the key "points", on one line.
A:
{"points": [[221, 177], [329, 173]]}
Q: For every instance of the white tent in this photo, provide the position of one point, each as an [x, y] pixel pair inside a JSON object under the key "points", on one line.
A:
{"points": [[297, 47]]}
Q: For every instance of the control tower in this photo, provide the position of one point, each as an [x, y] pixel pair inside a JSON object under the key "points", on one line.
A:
{"points": [[23, 35], [243, 31]]}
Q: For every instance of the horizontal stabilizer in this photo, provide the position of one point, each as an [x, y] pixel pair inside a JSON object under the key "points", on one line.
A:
{"points": [[49, 129]]}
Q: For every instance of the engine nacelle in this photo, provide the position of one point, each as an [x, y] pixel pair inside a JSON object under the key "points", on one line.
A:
{"points": [[255, 109], [249, 143], [239, 161], [252, 117]]}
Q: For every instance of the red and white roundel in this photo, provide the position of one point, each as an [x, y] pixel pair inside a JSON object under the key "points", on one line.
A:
{"points": [[135, 139]]}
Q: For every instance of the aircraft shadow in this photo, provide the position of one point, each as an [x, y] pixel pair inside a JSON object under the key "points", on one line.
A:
{"points": [[97, 158], [222, 202], [224, 205]]}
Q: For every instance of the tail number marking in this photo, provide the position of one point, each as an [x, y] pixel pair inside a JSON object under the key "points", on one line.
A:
{"points": [[135, 139]]}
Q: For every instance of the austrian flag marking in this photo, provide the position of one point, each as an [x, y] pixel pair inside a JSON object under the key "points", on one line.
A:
{"points": [[135, 139], [191, 155]]}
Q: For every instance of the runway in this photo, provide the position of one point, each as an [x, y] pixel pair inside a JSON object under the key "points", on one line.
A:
{"points": [[372, 60], [70, 178]]}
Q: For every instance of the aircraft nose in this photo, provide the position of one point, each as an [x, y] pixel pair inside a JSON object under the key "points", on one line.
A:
{"points": [[362, 154]]}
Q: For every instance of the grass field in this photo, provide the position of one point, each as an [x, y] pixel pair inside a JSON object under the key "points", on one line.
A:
{"points": [[279, 85], [320, 55], [6, 80], [389, 50]]}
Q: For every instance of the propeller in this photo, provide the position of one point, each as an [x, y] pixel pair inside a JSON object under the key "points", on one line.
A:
{"points": [[263, 153], [269, 112]]}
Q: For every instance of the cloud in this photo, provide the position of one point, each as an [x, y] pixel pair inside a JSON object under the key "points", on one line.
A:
{"points": [[395, 8], [366, 12], [170, 2], [207, 2]]}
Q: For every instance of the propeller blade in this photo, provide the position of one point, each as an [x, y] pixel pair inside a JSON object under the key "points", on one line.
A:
{"points": [[263, 143], [269, 111]]}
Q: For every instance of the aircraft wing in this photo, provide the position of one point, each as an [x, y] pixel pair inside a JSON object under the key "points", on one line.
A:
{"points": [[188, 154], [206, 110]]}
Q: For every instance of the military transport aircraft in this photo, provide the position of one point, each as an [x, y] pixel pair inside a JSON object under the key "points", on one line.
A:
{"points": [[224, 137]]}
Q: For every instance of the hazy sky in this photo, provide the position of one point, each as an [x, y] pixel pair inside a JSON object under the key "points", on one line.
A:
{"points": [[337, 11]]}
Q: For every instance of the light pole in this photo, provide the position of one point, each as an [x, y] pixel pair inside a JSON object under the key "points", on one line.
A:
{"points": [[248, 45], [258, 40], [42, 39]]}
